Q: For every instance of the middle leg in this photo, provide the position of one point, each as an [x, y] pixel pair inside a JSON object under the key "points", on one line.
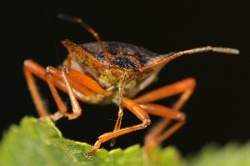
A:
{"points": [[157, 134]]}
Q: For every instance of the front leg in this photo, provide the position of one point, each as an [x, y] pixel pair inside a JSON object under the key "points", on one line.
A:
{"points": [[137, 111], [77, 85], [56, 79]]}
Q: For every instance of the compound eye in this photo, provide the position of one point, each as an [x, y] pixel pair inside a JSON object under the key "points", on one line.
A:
{"points": [[139, 65]]}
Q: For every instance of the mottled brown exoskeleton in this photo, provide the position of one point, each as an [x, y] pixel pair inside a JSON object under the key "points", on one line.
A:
{"points": [[114, 72]]}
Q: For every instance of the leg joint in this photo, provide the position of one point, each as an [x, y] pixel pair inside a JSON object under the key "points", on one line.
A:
{"points": [[146, 123], [181, 116]]}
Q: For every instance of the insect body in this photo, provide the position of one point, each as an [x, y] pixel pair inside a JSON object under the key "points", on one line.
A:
{"points": [[114, 72]]}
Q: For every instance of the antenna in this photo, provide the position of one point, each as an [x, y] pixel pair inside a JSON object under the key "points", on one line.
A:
{"points": [[73, 19], [224, 50], [171, 56]]}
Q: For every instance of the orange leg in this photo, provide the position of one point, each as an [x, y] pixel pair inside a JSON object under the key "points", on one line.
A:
{"points": [[68, 80], [142, 109], [137, 111], [157, 135], [52, 75], [30, 69]]}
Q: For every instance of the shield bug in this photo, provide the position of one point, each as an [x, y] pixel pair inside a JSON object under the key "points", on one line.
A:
{"points": [[114, 72]]}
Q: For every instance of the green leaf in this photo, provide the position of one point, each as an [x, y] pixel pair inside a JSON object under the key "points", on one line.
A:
{"points": [[232, 154], [41, 143]]}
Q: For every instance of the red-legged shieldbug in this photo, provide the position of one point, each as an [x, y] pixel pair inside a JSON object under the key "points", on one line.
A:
{"points": [[114, 72]]}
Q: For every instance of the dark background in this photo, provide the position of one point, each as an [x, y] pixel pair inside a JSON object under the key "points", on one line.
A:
{"points": [[218, 111]]}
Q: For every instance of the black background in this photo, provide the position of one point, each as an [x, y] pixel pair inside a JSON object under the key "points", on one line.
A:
{"points": [[218, 111]]}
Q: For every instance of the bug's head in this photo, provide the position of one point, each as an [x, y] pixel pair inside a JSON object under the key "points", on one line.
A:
{"points": [[91, 60]]}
